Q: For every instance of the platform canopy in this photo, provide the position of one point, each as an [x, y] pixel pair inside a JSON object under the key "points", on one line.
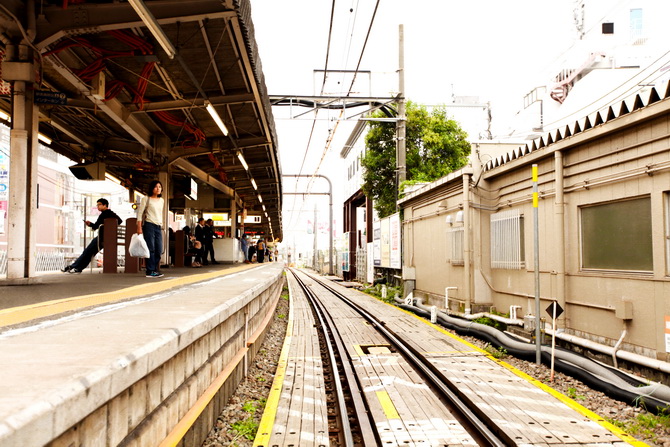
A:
{"points": [[138, 85]]}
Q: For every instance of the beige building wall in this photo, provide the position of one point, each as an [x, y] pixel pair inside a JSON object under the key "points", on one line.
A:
{"points": [[615, 160]]}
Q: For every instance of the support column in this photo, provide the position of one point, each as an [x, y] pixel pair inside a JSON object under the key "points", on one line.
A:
{"points": [[22, 206], [559, 211], [164, 178], [233, 218]]}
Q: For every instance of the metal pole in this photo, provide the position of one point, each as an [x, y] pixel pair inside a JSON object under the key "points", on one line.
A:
{"points": [[330, 212], [401, 123], [536, 237]]}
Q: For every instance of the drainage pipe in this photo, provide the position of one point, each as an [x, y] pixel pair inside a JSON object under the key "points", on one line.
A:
{"points": [[654, 396], [618, 343], [608, 350]]}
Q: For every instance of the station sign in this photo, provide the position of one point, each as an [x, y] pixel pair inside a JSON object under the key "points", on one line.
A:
{"points": [[49, 97]]}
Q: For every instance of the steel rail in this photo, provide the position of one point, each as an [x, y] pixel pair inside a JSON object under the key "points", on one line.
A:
{"points": [[368, 434], [346, 428], [442, 384]]}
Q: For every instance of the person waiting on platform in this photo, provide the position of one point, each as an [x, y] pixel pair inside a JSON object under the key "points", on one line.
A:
{"points": [[209, 241], [244, 246], [252, 252], [150, 224], [260, 250], [96, 243], [199, 233]]}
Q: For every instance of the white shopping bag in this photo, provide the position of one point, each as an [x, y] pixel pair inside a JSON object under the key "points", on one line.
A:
{"points": [[138, 246]]}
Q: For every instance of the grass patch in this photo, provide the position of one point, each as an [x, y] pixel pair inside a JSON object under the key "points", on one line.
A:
{"points": [[248, 427], [644, 424], [572, 394], [491, 322], [498, 353]]}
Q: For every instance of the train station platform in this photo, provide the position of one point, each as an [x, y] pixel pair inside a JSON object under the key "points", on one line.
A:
{"points": [[121, 359]]}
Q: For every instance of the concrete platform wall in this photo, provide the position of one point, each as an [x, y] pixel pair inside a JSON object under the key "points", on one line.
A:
{"points": [[160, 387]]}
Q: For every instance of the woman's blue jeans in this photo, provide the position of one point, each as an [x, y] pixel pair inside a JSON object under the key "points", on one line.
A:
{"points": [[153, 236]]}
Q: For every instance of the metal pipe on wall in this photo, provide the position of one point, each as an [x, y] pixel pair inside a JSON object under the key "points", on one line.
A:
{"points": [[559, 211], [466, 243]]}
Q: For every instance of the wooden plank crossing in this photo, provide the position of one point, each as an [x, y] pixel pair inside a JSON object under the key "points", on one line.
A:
{"points": [[529, 415], [404, 410]]}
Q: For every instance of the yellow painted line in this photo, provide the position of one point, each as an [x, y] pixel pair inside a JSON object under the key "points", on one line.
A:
{"points": [[359, 350], [21, 314], [562, 397], [574, 405], [387, 405], [270, 413]]}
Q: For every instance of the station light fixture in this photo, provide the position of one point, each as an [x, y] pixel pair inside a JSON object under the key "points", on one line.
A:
{"points": [[242, 160], [44, 139], [155, 29], [217, 119], [253, 183], [260, 199], [263, 207]]}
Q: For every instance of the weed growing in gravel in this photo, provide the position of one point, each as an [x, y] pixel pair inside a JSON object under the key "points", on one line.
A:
{"points": [[572, 394], [645, 424], [281, 316], [284, 293], [249, 426], [246, 428], [498, 353], [376, 291], [491, 322]]}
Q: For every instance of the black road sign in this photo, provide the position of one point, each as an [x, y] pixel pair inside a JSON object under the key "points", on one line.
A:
{"points": [[550, 309]]}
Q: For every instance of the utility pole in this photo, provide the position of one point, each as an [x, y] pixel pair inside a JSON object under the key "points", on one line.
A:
{"points": [[401, 123]]}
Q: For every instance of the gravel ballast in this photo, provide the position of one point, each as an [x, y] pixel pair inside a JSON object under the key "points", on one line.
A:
{"points": [[245, 407]]}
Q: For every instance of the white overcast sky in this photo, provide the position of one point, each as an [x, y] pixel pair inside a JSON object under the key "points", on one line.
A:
{"points": [[496, 50]]}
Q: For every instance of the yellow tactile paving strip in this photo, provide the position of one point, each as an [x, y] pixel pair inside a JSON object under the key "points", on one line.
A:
{"points": [[22, 314]]}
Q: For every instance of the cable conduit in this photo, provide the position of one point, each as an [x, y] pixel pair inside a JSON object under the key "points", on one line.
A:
{"points": [[655, 397]]}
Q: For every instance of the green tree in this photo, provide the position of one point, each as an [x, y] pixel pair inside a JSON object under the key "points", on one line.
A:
{"points": [[436, 146]]}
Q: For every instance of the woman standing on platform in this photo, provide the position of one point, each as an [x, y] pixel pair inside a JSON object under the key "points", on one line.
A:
{"points": [[150, 223]]}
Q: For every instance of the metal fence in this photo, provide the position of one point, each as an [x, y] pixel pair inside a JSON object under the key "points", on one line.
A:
{"points": [[361, 265], [53, 259]]}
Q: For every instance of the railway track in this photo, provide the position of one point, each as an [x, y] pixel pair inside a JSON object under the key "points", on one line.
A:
{"points": [[354, 423]]}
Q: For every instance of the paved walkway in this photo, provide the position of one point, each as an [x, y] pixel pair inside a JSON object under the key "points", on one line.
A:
{"points": [[58, 292]]}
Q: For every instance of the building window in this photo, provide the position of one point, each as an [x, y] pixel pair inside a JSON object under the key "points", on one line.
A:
{"points": [[636, 24], [507, 240], [617, 235], [456, 241], [608, 28]]}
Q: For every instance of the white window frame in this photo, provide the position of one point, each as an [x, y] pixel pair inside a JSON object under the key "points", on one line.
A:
{"points": [[455, 236], [507, 244]]}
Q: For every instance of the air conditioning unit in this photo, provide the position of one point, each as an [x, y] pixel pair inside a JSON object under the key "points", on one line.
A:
{"points": [[89, 171]]}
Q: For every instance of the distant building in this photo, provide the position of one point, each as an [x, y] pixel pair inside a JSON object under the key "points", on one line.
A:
{"points": [[620, 48]]}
